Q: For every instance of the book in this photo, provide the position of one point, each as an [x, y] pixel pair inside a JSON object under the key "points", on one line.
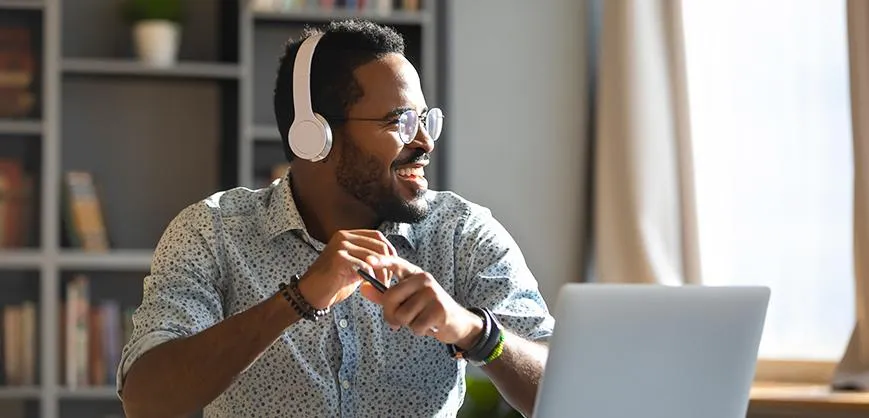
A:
{"points": [[76, 344], [11, 213], [112, 338], [12, 345], [28, 349], [83, 213], [17, 72]]}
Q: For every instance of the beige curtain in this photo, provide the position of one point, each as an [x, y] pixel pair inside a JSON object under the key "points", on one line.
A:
{"points": [[645, 218], [853, 370]]}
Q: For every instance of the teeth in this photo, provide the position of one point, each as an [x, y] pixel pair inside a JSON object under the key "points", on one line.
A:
{"points": [[411, 172]]}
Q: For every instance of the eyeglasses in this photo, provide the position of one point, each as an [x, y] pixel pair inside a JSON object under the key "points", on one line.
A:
{"points": [[409, 121]]}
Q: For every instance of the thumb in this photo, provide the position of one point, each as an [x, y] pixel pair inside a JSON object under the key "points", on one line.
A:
{"points": [[397, 265], [369, 292]]}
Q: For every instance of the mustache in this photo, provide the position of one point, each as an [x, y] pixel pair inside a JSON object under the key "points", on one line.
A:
{"points": [[418, 156]]}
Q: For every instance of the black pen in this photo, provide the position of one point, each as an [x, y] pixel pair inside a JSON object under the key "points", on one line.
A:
{"points": [[374, 282]]}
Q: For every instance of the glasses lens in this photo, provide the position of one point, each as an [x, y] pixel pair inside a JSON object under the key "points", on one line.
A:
{"points": [[408, 123], [434, 123]]}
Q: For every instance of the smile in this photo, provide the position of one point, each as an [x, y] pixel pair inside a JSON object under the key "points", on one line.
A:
{"points": [[410, 172]]}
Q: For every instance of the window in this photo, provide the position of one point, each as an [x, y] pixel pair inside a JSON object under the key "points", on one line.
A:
{"points": [[770, 113]]}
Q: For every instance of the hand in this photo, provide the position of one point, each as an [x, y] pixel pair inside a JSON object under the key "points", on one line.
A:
{"points": [[419, 302], [333, 277]]}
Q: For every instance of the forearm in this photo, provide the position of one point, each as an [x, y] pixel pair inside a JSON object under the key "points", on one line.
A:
{"points": [[517, 372], [181, 376]]}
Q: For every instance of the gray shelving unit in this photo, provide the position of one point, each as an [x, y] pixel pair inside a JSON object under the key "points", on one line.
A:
{"points": [[156, 141]]}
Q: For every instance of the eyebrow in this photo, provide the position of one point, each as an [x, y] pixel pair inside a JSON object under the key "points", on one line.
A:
{"points": [[399, 110]]}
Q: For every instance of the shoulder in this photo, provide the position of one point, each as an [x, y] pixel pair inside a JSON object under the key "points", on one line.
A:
{"points": [[466, 220], [215, 210], [451, 205]]}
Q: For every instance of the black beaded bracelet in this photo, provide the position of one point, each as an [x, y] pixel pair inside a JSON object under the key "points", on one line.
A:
{"points": [[292, 294]]}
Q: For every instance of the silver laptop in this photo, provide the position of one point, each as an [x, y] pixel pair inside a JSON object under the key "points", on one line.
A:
{"points": [[624, 351]]}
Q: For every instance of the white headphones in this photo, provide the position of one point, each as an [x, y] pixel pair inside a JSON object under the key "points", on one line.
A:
{"points": [[310, 136]]}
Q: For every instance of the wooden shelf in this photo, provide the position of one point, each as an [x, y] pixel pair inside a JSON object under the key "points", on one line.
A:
{"points": [[20, 127], [97, 392], [132, 68], [322, 16], [265, 133], [114, 260], [805, 400], [22, 4], [20, 259], [19, 392]]}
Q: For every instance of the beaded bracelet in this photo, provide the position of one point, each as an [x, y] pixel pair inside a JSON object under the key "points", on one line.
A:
{"points": [[294, 296], [499, 349]]}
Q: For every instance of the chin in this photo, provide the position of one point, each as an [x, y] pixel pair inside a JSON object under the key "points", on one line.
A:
{"points": [[406, 211]]}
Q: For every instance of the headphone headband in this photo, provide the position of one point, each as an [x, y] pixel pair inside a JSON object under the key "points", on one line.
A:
{"points": [[302, 78], [310, 136]]}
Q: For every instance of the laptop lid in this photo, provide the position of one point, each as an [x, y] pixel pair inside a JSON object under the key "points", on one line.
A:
{"points": [[652, 351]]}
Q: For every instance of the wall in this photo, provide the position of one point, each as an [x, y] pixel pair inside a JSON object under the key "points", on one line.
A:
{"points": [[516, 124]]}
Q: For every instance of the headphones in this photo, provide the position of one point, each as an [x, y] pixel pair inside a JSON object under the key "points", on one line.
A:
{"points": [[310, 136]]}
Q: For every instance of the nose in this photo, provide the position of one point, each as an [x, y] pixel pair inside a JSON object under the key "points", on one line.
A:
{"points": [[422, 140]]}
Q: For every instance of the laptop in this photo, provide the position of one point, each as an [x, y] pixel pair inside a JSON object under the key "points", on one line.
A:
{"points": [[652, 351]]}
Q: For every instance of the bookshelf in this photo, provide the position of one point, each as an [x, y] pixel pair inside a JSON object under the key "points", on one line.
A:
{"points": [[155, 140], [22, 4], [114, 67], [21, 127]]}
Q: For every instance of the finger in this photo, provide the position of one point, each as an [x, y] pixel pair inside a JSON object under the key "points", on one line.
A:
{"points": [[407, 312], [365, 255], [397, 295], [369, 292], [397, 265], [373, 240], [428, 320], [380, 237], [353, 263]]}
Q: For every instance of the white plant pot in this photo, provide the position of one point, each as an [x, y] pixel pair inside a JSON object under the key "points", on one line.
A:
{"points": [[157, 42]]}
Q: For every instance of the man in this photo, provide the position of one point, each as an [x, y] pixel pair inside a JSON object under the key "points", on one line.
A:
{"points": [[219, 329]]}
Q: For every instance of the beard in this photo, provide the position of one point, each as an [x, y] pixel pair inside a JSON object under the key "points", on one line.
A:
{"points": [[365, 178]]}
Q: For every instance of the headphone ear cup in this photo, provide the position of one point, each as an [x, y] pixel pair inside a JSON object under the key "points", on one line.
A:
{"points": [[310, 139]]}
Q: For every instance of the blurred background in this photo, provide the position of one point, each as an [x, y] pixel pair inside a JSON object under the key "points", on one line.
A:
{"points": [[645, 141]]}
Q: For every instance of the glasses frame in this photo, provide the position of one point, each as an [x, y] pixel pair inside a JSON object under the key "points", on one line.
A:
{"points": [[422, 121]]}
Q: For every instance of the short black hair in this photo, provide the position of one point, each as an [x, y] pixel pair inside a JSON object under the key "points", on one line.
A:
{"points": [[345, 46]]}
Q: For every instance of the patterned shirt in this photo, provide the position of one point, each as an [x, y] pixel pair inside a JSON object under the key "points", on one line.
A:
{"points": [[229, 252]]}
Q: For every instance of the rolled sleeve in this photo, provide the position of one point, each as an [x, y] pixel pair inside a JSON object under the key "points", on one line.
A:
{"points": [[496, 276], [181, 296]]}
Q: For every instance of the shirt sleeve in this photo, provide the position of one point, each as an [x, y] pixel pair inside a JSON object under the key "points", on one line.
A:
{"points": [[181, 295], [494, 274]]}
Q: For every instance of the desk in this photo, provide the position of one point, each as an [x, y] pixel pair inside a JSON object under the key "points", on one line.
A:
{"points": [[776, 400]]}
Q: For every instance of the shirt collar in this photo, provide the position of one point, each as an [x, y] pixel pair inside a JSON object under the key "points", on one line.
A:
{"points": [[283, 216]]}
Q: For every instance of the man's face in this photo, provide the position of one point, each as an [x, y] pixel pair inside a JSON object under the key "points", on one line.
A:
{"points": [[374, 165]]}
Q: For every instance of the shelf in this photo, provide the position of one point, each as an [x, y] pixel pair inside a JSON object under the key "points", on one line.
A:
{"points": [[265, 133], [20, 259], [324, 16], [132, 68], [19, 392], [22, 4], [113, 260], [97, 392], [20, 127]]}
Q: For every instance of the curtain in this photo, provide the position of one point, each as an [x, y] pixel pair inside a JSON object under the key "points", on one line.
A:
{"points": [[644, 223], [853, 370]]}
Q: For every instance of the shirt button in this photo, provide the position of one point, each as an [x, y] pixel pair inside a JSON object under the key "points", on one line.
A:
{"points": [[345, 384], [343, 323]]}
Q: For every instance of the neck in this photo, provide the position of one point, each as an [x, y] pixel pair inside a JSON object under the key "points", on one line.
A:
{"points": [[324, 206]]}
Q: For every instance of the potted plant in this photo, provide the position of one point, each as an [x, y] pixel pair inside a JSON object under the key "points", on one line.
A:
{"points": [[156, 30]]}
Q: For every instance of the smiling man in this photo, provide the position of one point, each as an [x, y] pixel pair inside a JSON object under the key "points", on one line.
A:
{"points": [[256, 304]]}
